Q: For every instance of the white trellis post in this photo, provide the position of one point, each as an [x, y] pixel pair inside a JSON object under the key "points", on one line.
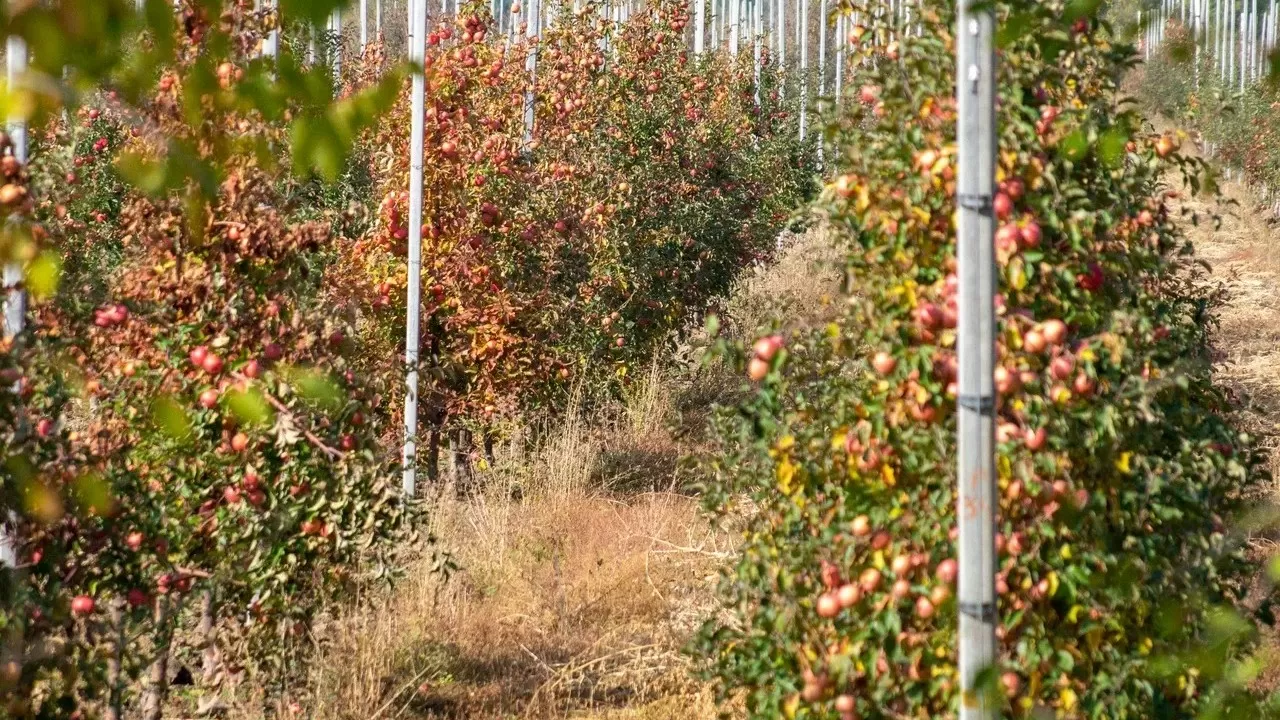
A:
{"points": [[364, 24], [841, 40], [735, 26], [780, 11], [822, 50], [271, 48], [531, 68], [975, 333], [756, 38], [804, 67], [1195, 41], [417, 54], [15, 301], [1244, 47], [699, 25], [335, 29]]}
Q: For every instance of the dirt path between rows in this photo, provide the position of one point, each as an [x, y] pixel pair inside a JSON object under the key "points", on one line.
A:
{"points": [[1239, 238]]}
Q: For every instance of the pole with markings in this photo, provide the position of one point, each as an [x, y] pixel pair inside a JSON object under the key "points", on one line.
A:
{"points": [[976, 142], [417, 53]]}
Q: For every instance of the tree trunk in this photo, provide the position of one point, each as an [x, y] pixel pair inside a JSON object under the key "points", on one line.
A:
{"points": [[115, 698], [158, 685], [460, 461], [209, 637]]}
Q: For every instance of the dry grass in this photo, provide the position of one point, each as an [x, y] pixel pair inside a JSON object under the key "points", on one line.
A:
{"points": [[1241, 252], [582, 567]]}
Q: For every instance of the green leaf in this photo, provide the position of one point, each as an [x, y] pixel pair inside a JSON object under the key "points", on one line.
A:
{"points": [[171, 418], [249, 406], [43, 274]]}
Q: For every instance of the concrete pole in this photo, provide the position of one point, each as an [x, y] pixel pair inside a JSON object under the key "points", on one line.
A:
{"points": [[417, 53], [804, 67], [15, 302], [822, 50], [975, 333], [699, 25], [531, 67]]}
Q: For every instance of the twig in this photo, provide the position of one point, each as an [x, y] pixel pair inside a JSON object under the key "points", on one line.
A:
{"points": [[330, 451]]}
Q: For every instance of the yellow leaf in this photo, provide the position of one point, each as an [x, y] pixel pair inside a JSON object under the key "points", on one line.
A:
{"points": [[792, 706], [886, 471], [1144, 647], [1053, 581], [1122, 464], [864, 199], [878, 560], [786, 472], [838, 438], [1068, 698], [1073, 615], [1088, 355]]}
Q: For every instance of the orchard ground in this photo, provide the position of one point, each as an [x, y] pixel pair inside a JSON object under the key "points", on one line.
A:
{"points": [[1241, 252], [583, 567]]}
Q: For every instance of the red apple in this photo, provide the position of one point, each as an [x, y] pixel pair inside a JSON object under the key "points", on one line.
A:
{"points": [[900, 589], [947, 571], [849, 595], [239, 442], [209, 399], [828, 605], [928, 315], [1033, 341], [198, 355], [134, 541], [231, 495], [1030, 234], [901, 565], [1062, 366], [869, 580], [924, 608], [252, 369], [1035, 439], [1055, 331], [766, 347], [861, 526], [884, 363], [1003, 206], [1011, 683], [1083, 385], [880, 540], [137, 597], [1006, 382], [82, 605], [212, 364]]}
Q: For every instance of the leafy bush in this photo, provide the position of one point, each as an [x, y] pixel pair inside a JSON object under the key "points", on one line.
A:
{"points": [[1117, 464], [651, 181]]}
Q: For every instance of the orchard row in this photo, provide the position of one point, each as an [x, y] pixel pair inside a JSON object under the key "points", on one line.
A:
{"points": [[205, 419]]}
